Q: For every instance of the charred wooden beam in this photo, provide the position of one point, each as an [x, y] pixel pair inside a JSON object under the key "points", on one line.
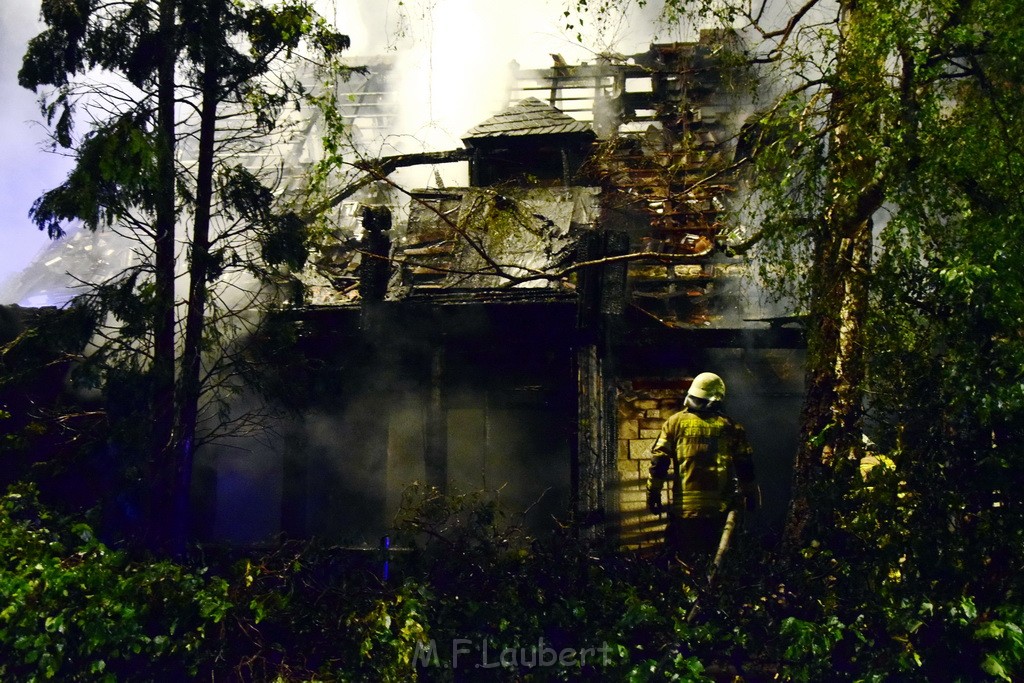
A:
{"points": [[614, 296], [375, 268], [378, 169], [588, 287], [435, 455]]}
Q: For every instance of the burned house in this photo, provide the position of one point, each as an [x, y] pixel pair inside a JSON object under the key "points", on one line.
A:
{"points": [[528, 334]]}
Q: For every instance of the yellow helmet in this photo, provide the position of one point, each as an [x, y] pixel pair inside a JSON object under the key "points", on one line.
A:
{"points": [[708, 386]]}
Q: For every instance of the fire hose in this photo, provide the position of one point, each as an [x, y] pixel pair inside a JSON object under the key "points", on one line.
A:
{"points": [[731, 522]]}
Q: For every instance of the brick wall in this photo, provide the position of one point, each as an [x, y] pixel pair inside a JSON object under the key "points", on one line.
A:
{"points": [[642, 407]]}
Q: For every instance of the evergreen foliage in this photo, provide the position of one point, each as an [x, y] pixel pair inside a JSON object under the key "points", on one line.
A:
{"points": [[173, 92]]}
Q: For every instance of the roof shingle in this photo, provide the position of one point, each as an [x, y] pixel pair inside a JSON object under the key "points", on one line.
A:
{"points": [[528, 117]]}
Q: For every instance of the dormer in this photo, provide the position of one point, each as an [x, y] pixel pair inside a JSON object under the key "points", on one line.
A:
{"points": [[530, 143]]}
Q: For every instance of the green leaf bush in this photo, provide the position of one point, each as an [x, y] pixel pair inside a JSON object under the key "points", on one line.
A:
{"points": [[77, 610], [469, 596]]}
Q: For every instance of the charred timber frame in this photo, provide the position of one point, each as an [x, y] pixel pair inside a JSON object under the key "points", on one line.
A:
{"points": [[600, 306]]}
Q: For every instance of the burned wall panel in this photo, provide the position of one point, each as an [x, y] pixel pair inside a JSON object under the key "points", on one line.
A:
{"points": [[468, 445], [528, 459], [406, 447], [362, 434]]}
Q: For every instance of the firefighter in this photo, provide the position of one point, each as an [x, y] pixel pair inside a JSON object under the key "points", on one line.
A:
{"points": [[706, 460]]}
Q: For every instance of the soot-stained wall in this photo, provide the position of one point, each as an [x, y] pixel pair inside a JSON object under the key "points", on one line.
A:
{"points": [[506, 401], [490, 388]]}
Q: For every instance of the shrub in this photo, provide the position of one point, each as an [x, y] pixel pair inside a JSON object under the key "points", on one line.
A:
{"points": [[77, 610]]}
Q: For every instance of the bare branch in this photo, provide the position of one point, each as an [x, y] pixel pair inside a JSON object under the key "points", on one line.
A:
{"points": [[379, 169], [794, 20]]}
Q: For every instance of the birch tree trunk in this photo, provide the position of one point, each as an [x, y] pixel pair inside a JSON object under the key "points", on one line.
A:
{"points": [[840, 273]]}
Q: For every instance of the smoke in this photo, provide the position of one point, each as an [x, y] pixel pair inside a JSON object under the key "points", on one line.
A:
{"points": [[26, 171], [454, 61]]}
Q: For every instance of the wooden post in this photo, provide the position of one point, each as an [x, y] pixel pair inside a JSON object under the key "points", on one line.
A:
{"points": [[435, 455], [601, 303], [375, 268]]}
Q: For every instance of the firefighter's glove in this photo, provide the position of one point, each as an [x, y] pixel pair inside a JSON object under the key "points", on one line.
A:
{"points": [[654, 502]]}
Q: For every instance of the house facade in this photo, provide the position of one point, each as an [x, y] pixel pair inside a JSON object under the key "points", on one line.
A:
{"points": [[527, 334]]}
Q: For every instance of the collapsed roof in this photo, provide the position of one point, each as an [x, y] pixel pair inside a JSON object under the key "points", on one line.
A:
{"points": [[659, 170]]}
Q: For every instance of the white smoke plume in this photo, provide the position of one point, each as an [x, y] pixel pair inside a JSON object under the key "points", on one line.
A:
{"points": [[26, 170], [452, 59]]}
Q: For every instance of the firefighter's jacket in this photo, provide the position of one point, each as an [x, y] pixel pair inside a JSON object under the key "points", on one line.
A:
{"points": [[706, 459]]}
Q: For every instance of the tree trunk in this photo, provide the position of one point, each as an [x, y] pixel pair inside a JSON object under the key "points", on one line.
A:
{"points": [[162, 370], [831, 414], [832, 410], [191, 384]]}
